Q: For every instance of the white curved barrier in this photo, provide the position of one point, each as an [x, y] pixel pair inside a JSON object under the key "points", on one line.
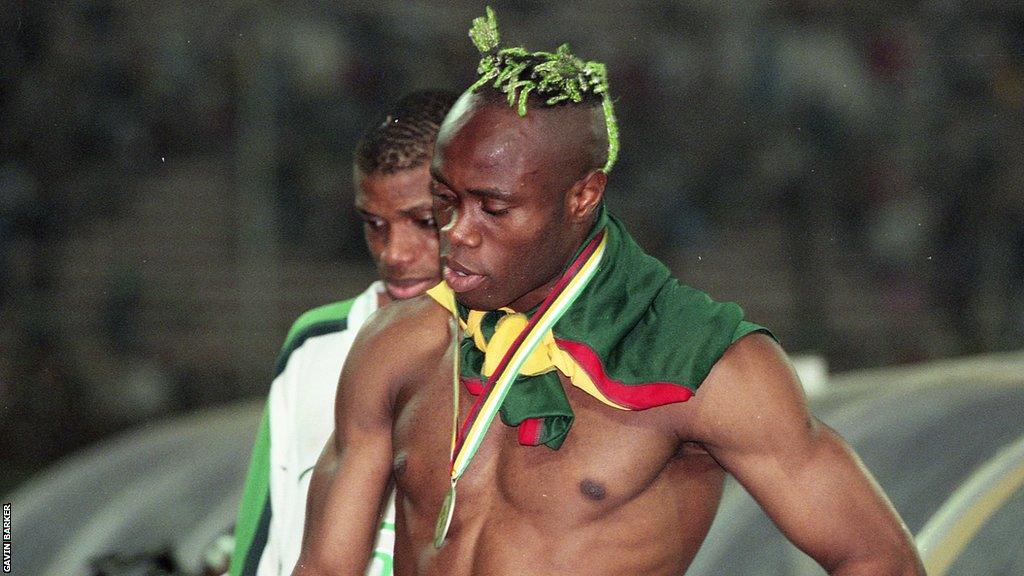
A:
{"points": [[162, 485], [951, 530], [921, 430]]}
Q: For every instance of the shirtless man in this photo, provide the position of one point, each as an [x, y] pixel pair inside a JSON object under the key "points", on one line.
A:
{"points": [[644, 393]]}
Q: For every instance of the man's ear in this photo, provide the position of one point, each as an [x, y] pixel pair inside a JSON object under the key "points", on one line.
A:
{"points": [[586, 195]]}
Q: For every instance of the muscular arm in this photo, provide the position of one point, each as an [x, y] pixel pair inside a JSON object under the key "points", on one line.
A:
{"points": [[351, 475], [753, 419]]}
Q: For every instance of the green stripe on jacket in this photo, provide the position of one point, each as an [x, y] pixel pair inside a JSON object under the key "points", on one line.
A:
{"points": [[254, 510]]}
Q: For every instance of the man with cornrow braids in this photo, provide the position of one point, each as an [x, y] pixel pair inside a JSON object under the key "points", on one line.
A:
{"points": [[392, 178], [625, 397]]}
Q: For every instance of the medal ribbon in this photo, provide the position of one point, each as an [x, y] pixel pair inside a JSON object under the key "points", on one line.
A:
{"points": [[466, 441]]}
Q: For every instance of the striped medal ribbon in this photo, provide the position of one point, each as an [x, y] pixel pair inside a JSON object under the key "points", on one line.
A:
{"points": [[466, 441]]}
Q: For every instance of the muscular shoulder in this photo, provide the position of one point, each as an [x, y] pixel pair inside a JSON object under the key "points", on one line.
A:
{"points": [[394, 348], [751, 390], [402, 335], [754, 361], [419, 323]]}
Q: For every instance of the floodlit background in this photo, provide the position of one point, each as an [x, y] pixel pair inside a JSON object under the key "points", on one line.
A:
{"points": [[175, 179]]}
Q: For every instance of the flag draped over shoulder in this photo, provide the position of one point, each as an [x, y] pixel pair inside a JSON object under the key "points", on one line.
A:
{"points": [[634, 339]]}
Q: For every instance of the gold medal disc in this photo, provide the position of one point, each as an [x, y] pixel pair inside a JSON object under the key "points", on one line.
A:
{"points": [[444, 518]]}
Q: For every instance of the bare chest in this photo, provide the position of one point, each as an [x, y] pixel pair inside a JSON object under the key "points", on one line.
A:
{"points": [[608, 459]]}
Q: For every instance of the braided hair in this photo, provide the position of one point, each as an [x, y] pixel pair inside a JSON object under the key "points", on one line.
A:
{"points": [[556, 78], [404, 137]]}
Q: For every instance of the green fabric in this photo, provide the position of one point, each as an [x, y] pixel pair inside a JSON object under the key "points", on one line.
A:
{"points": [[642, 323], [254, 510], [326, 313]]}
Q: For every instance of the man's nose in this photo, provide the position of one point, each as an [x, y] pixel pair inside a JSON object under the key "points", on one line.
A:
{"points": [[461, 230], [400, 249]]}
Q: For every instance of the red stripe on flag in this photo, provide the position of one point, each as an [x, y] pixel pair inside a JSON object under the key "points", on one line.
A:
{"points": [[529, 431], [633, 396], [474, 386]]}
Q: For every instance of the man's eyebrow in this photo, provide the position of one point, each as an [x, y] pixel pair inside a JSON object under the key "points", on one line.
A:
{"points": [[494, 193], [416, 210]]}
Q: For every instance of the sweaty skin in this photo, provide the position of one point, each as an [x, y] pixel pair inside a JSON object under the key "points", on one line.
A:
{"points": [[628, 492]]}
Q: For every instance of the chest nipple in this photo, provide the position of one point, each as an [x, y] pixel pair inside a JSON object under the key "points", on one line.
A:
{"points": [[594, 491]]}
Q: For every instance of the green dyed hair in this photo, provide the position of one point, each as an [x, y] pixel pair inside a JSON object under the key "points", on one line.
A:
{"points": [[556, 77]]}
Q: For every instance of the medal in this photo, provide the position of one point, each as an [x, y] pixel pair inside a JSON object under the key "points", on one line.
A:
{"points": [[444, 519]]}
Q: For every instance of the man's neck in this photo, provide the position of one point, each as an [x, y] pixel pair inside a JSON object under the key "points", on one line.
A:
{"points": [[534, 297]]}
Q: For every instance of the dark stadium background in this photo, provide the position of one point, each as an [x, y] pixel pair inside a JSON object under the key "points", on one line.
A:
{"points": [[175, 179]]}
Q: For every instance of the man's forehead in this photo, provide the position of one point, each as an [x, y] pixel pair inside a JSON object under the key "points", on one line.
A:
{"points": [[408, 187], [484, 138], [483, 142], [489, 133]]}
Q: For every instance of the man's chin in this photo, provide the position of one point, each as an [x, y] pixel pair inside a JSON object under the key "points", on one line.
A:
{"points": [[404, 290], [477, 300]]}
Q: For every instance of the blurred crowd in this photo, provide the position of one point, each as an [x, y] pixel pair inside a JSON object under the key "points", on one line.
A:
{"points": [[175, 178]]}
